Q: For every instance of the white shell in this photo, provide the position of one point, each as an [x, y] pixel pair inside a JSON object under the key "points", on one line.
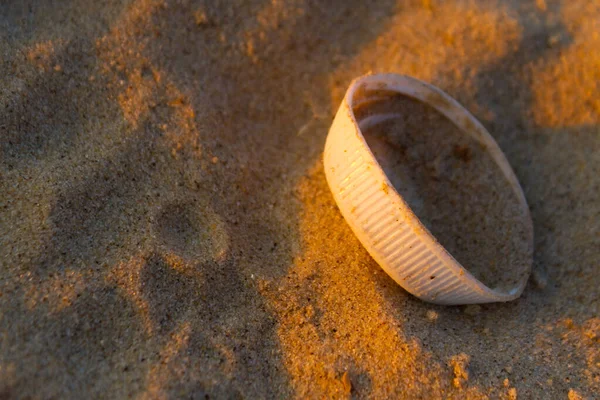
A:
{"points": [[382, 220]]}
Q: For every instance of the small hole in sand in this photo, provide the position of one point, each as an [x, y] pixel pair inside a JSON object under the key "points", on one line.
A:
{"points": [[191, 231]]}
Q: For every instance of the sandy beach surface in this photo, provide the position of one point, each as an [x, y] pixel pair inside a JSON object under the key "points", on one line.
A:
{"points": [[166, 230]]}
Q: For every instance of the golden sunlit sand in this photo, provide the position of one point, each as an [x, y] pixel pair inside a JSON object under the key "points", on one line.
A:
{"points": [[166, 230]]}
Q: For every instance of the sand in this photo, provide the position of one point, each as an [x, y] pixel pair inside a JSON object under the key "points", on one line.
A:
{"points": [[166, 230], [455, 187]]}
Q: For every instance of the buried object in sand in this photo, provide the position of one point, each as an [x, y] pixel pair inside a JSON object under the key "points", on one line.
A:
{"points": [[428, 192]]}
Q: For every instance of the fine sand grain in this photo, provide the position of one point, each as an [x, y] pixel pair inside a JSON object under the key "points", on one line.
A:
{"points": [[455, 187], [166, 230]]}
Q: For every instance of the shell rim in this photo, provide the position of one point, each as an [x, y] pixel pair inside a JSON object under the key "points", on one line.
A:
{"points": [[480, 134]]}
